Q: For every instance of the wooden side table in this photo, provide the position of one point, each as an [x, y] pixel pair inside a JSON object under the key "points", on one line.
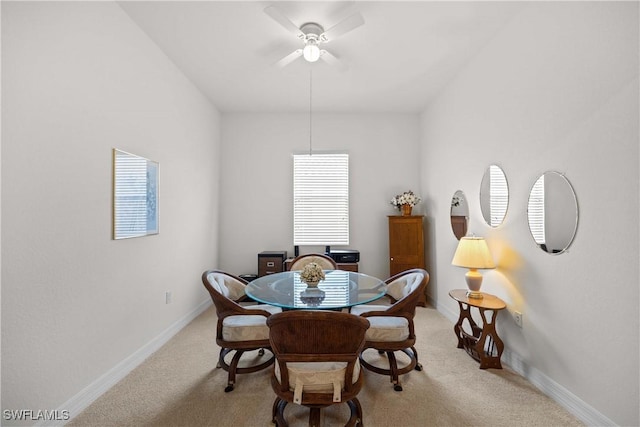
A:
{"points": [[483, 343]]}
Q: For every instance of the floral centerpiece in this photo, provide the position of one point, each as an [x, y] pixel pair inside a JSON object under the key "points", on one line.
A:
{"points": [[312, 274], [405, 201]]}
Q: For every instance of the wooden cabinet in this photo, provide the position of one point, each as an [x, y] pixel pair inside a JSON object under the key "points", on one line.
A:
{"points": [[406, 245], [348, 266]]}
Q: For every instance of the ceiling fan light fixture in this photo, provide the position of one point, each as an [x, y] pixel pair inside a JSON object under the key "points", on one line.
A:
{"points": [[311, 51], [313, 35]]}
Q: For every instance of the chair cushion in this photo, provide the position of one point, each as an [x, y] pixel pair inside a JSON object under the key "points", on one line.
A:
{"points": [[317, 377], [247, 327], [387, 329]]}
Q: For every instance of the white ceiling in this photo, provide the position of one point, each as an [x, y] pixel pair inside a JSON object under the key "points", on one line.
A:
{"points": [[397, 61]]}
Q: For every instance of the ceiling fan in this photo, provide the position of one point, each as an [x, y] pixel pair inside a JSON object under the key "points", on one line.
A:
{"points": [[313, 36]]}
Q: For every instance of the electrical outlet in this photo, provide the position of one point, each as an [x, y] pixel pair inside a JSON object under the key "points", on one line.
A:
{"points": [[168, 297], [517, 316]]}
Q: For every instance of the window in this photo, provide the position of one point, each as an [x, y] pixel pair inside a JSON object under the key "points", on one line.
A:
{"points": [[320, 199], [135, 195]]}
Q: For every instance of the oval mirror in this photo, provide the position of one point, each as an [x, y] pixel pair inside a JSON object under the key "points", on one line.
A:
{"points": [[494, 196], [552, 212], [459, 214]]}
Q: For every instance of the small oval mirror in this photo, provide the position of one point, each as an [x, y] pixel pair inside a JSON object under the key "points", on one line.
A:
{"points": [[494, 196], [459, 214], [552, 212]]}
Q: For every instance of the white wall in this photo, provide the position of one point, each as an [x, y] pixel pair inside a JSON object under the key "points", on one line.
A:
{"points": [[79, 79], [557, 89], [257, 173]]}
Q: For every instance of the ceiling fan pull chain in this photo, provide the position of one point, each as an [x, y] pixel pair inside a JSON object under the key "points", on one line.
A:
{"points": [[310, 110]]}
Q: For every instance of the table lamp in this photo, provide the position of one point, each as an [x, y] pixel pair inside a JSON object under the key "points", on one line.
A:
{"points": [[473, 253]]}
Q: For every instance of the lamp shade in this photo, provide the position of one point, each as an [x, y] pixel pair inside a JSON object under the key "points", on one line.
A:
{"points": [[311, 51], [473, 252]]}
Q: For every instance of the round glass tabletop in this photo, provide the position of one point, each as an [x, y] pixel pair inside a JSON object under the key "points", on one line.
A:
{"points": [[339, 289]]}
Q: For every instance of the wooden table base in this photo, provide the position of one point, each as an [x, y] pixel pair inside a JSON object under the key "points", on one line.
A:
{"points": [[483, 343]]}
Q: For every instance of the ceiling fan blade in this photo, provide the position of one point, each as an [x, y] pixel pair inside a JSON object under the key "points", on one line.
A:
{"points": [[277, 15], [332, 60], [350, 23], [289, 58]]}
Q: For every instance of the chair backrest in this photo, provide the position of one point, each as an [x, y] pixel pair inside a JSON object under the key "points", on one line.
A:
{"points": [[405, 289], [227, 284], [317, 336], [402, 284], [225, 290], [324, 261]]}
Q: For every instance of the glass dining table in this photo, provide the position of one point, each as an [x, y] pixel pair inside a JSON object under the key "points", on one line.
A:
{"points": [[340, 289]]}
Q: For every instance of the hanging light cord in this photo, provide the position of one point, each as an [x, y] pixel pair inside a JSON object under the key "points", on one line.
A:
{"points": [[310, 112]]}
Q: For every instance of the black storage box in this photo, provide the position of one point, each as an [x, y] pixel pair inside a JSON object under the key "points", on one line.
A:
{"points": [[345, 255]]}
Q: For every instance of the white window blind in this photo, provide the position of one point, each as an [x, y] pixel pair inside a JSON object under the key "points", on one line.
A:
{"points": [[535, 211], [130, 195], [135, 195], [321, 199], [499, 195]]}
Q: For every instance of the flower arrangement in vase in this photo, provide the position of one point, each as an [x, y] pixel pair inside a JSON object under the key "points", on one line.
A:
{"points": [[405, 202], [312, 274]]}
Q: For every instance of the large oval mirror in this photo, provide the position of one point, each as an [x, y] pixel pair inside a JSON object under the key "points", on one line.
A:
{"points": [[552, 212], [494, 195], [459, 214]]}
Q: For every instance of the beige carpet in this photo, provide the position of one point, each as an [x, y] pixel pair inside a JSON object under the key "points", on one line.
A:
{"points": [[179, 386]]}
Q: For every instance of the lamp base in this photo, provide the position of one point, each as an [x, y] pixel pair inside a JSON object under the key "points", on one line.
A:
{"points": [[474, 281], [474, 295]]}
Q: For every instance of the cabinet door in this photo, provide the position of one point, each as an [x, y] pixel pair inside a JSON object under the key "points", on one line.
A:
{"points": [[406, 243]]}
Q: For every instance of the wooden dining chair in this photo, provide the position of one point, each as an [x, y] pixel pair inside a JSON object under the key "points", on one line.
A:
{"points": [[239, 328], [392, 327], [325, 262], [317, 362]]}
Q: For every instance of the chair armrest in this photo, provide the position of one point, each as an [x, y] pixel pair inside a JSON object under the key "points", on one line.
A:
{"points": [[259, 312], [375, 313], [389, 313], [241, 311]]}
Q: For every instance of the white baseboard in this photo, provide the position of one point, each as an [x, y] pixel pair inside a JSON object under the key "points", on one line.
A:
{"points": [[569, 401], [89, 394], [572, 403]]}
